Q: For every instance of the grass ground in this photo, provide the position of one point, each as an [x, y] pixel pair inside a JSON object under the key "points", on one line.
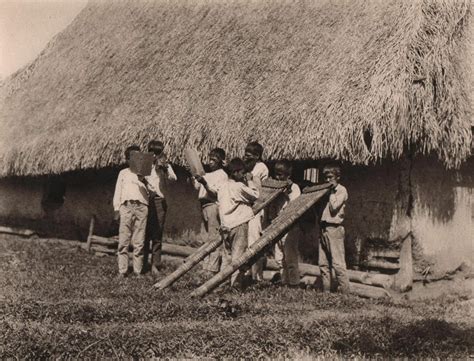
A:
{"points": [[61, 302]]}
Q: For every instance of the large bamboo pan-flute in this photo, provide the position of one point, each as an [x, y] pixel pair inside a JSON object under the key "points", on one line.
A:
{"points": [[270, 191], [279, 226]]}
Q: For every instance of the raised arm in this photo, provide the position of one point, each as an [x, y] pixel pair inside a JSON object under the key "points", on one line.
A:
{"points": [[336, 200], [248, 193], [170, 172]]}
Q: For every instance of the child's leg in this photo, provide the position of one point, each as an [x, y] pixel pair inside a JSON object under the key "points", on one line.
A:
{"points": [[325, 260], [255, 230], [278, 252], [226, 250], [291, 273], [211, 218], [335, 236], [140, 213], [160, 214], [239, 239], [125, 234]]}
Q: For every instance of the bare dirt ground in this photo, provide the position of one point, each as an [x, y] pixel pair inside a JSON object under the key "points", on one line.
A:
{"points": [[60, 302]]}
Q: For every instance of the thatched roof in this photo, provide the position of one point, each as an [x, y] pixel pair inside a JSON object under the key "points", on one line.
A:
{"points": [[305, 78]]}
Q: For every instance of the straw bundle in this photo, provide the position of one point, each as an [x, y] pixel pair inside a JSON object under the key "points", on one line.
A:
{"points": [[309, 79]]}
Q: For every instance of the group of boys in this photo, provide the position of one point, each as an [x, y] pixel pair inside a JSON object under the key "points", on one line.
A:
{"points": [[226, 193]]}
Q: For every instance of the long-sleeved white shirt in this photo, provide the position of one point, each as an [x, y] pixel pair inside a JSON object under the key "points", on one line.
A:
{"points": [[334, 210], [158, 179], [235, 201], [129, 188], [214, 181]]}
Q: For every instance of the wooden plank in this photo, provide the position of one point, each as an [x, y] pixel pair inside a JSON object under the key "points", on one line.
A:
{"points": [[18, 231], [382, 264], [372, 279], [384, 253], [358, 289], [104, 241], [102, 249]]}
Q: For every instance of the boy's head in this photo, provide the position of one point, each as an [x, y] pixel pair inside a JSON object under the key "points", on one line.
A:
{"points": [[129, 150], [216, 158], [156, 147], [253, 154], [332, 173], [283, 169], [236, 169]]}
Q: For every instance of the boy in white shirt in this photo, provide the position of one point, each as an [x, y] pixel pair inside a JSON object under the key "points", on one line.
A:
{"points": [[286, 249], [131, 206], [207, 187], [331, 245], [253, 161], [235, 198]]}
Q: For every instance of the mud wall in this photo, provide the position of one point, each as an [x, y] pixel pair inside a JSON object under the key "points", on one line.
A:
{"points": [[386, 203], [22, 204]]}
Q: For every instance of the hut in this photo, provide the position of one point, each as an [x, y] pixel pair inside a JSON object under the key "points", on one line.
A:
{"points": [[384, 86]]}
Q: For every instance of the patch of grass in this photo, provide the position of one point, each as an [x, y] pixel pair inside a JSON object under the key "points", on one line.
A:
{"points": [[64, 303]]}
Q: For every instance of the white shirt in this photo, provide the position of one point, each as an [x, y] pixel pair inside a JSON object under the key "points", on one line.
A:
{"points": [[260, 171], [334, 210], [158, 178], [129, 188], [214, 181], [235, 202]]}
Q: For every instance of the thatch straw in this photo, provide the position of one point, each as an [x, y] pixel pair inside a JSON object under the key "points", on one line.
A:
{"points": [[307, 79]]}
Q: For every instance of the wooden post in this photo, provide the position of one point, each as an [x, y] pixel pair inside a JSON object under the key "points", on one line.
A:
{"points": [[404, 277], [91, 233]]}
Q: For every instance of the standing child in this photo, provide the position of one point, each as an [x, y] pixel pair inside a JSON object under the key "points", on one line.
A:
{"points": [[207, 187], [253, 161], [331, 246], [157, 182], [286, 250], [131, 205], [235, 198]]}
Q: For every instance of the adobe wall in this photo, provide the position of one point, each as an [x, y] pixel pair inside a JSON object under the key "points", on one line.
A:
{"points": [[386, 203], [86, 194]]}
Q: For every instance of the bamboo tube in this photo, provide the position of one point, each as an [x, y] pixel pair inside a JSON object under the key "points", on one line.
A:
{"points": [[188, 263], [194, 162], [280, 225], [194, 258]]}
